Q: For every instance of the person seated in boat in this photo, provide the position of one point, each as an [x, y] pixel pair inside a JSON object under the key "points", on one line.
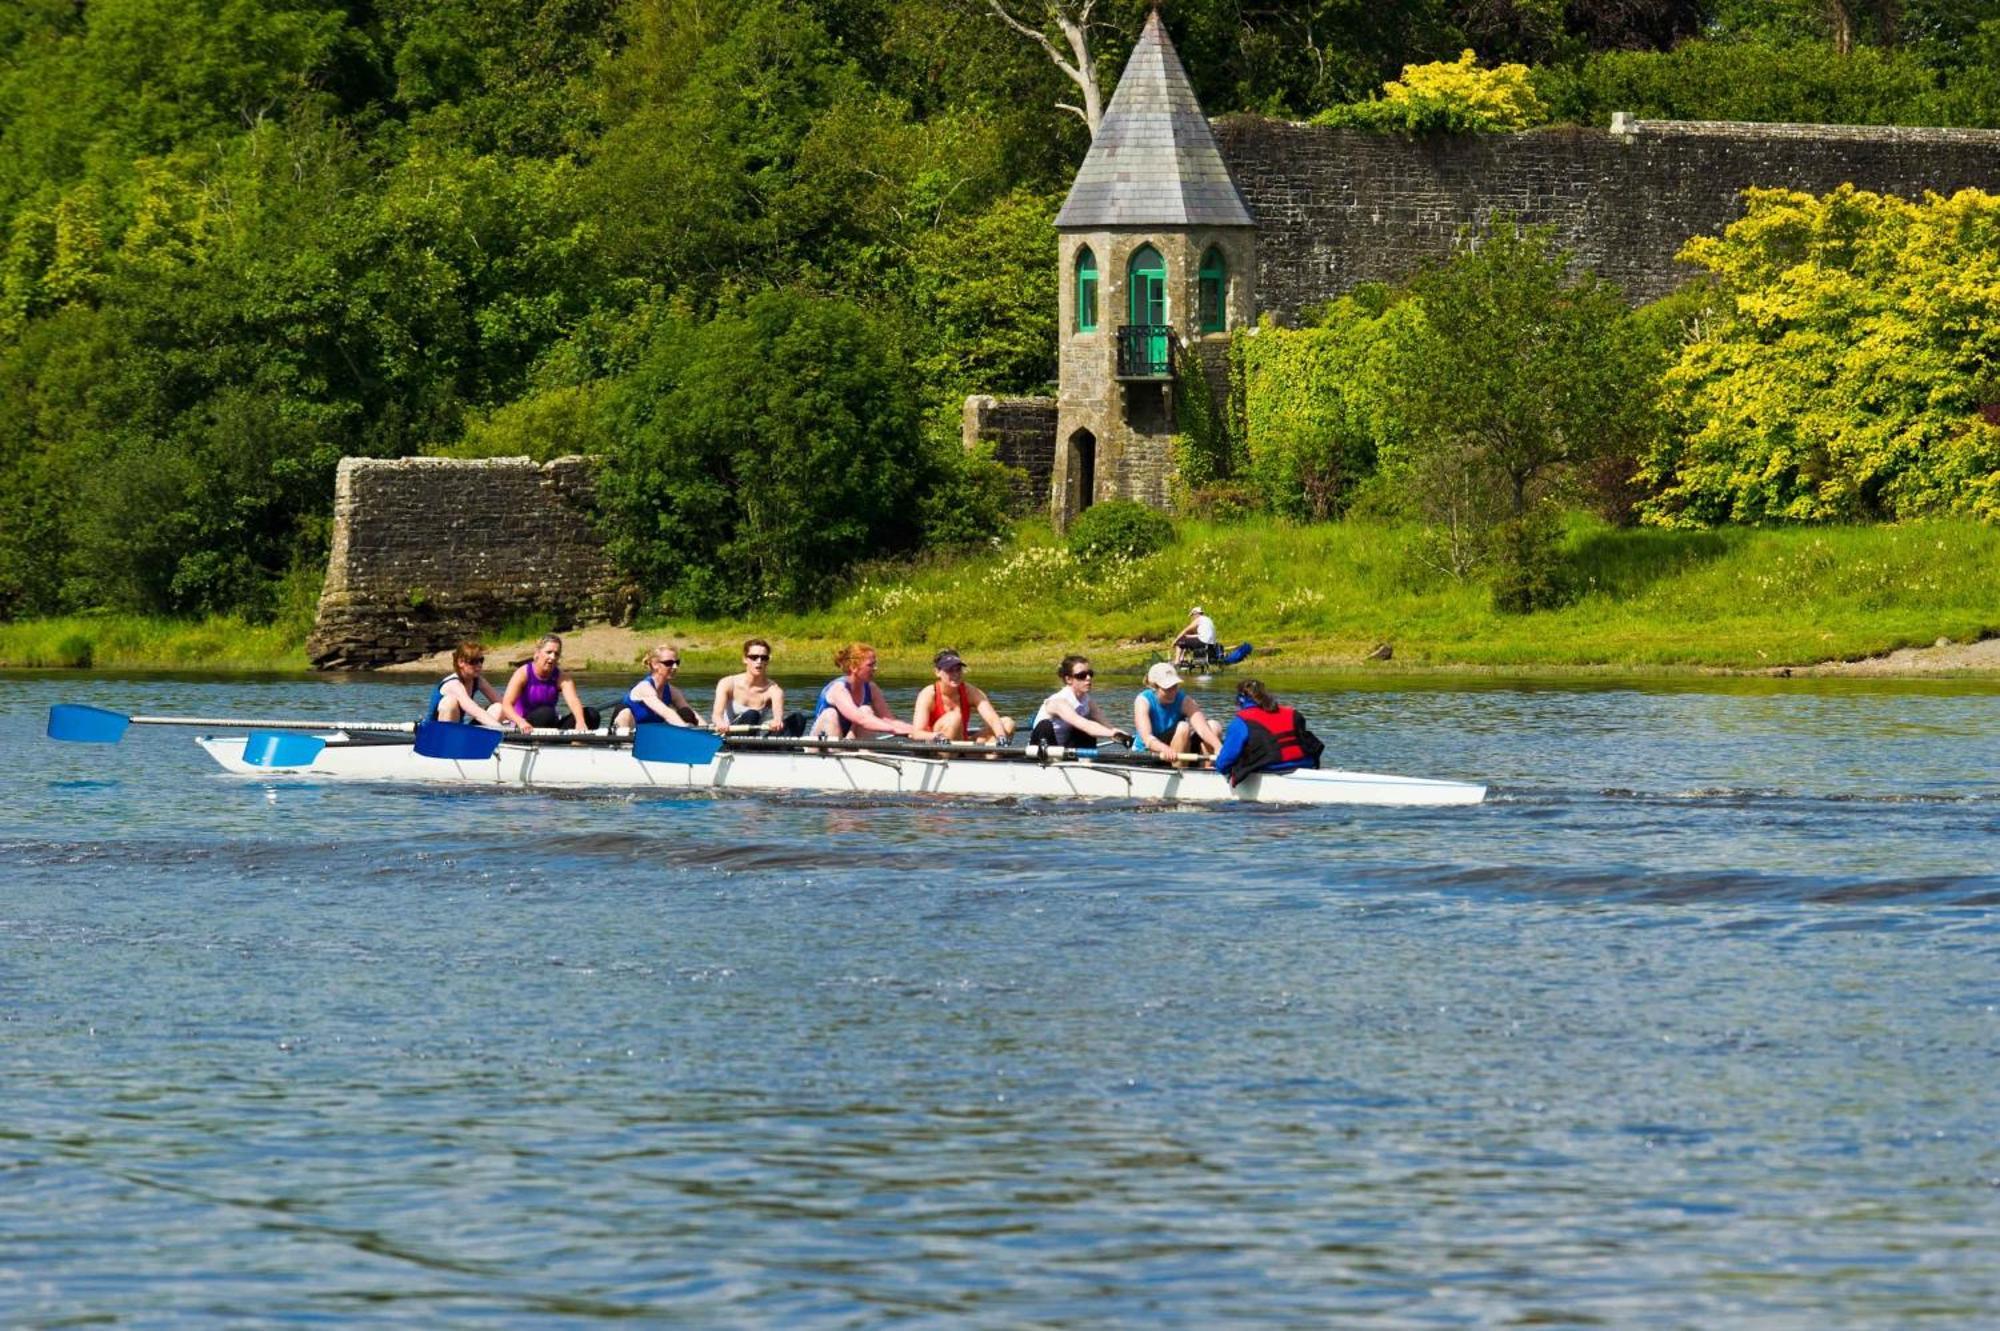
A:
{"points": [[852, 703], [1166, 722], [456, 698], [1196, 643], [656, 699], [1070, 713], [1264, 737], [946, 708], [753, 698], [536, 688]]}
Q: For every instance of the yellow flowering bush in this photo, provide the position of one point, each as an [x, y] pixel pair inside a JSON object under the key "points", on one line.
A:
{"points": [[1448, 96]]}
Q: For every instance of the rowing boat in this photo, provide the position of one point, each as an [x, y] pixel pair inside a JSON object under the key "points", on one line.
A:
{"points": [[864, 767]]}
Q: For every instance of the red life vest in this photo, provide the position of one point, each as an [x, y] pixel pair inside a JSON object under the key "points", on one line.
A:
{"points": [[1276, 738]]}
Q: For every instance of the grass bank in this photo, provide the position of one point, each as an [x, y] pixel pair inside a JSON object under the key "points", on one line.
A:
{"points": [[1321, 597], [1327, 596], [140, 642]]}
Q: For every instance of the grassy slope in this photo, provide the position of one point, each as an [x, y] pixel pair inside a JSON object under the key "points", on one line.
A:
{"points": [[1320, 596]]}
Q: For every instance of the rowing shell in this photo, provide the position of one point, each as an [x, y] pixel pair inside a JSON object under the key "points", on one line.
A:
{"points": [[348, 758]]}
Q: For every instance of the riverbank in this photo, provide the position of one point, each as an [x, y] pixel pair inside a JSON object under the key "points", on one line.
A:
{"points": [[1919, 599]]}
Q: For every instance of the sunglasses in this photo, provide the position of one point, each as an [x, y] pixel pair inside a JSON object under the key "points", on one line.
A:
{"points": [[670, 661], [754, 656], [475, 660], [1084, 674]]}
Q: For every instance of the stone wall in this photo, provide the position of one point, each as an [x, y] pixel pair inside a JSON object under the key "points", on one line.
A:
{"points": [[1337, 207], [1022, 431], [430, 550]]}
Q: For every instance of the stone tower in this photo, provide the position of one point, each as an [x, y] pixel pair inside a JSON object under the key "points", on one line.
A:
{"points": [[1159, 260]]}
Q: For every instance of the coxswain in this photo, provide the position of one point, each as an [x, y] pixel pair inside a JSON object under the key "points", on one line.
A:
{"points": [[1264, 737]]}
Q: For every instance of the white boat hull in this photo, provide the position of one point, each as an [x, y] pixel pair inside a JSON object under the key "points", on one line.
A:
{"points": [[872, 772]]}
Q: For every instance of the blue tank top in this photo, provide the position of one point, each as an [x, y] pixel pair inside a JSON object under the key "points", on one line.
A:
{"points": [[437, 701], [641, 714], [866, 699], [1164, 719]]}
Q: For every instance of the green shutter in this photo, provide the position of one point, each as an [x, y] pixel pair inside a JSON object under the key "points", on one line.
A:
{"points": [[1086, 291], [1214, 288]]}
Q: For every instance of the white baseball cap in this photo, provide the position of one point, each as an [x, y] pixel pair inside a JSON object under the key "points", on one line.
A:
{"points": [[1195, 611], [1163, 676]]}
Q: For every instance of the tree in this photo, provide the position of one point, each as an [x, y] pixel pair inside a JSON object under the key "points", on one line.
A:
{"points": [[761, 454], [1519, 371], [1071, 21], [1841, 372]]}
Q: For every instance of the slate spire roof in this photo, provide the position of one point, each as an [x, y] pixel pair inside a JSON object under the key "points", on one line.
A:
{"points": [[1154, 161]]}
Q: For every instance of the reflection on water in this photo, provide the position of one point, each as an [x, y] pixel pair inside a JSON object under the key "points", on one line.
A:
{"points": [[1693, 1024]]}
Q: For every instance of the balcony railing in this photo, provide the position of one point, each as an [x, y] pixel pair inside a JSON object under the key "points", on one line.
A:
{"points": [[1145, 351]]}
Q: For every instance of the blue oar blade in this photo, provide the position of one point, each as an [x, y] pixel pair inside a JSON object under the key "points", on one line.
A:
{"points": [[450, 739], [1241, 650], [675, 744], [276, 748], [77, 724]]}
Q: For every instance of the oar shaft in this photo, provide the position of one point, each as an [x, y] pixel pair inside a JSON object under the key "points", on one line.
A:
{"points": [[244, 723]]}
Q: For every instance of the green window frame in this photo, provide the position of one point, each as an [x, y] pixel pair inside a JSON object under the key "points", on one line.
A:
{"points": [[1086, 291], [1146, 285], [1212, 288]]}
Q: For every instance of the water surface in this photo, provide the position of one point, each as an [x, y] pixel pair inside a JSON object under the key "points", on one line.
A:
{"points": [[1695, 1023]]}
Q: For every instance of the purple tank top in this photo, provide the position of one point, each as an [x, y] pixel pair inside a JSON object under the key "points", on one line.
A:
{"points": [[538, 692]]}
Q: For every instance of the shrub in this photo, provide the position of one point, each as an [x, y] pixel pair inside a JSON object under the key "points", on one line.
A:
{"points": [[1119, 528], [1447, 97]]}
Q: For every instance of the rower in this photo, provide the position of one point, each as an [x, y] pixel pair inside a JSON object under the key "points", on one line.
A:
{"points": [[1265, 737], [655, 698], [753, 698], [947, 707], [853, 704], [454, 699], [1165, 720], [535, 688], [1070, 711]]}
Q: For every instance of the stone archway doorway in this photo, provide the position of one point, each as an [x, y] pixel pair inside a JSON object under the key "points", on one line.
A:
{"points": [[1082, 472]]}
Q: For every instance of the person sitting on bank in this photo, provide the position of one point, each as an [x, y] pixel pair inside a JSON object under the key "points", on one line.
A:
{"points": [[1264, 737], [1166, 721], [536, 688], [946, 708], [655, 699], [752, 698], [456, 698], [1196, 643], [1070, 712], [853, 704]]}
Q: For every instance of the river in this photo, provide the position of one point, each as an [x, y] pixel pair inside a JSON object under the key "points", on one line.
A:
{"points": [[1696, 1022]]}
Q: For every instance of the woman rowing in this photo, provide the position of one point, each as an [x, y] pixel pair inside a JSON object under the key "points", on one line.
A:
{"points": [[655, 699], [456, 698], [853, 704], [1166, 722], [535, 689], [1070, 711], [752, 698], [946, 708], [1264, 737]]}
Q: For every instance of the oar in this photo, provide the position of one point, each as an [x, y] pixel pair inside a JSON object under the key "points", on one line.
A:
{"points": [[76, 723], [675, 744], [457, 741], [271, 748]]}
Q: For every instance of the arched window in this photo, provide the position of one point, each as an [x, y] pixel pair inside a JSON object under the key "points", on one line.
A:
{"points": [[1086, 290], [1146, 287], [1213, 289]]}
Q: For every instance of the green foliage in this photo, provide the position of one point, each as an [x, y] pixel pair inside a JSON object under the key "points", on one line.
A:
{"points": [[970, 498], [1447, 97], [984, 287], [1852, 341], [1118, 529], [757, 456], [1315, 413], [1802, 82], [1207, 451]]}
